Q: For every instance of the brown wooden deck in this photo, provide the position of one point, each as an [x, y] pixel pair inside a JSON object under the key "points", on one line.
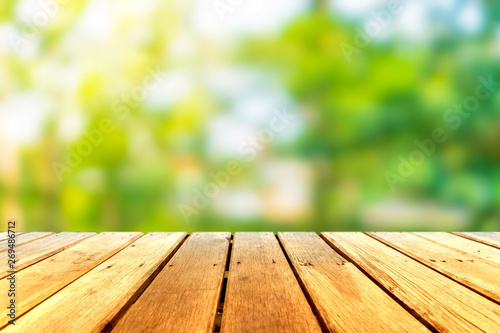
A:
{"points": [[253, 282]]}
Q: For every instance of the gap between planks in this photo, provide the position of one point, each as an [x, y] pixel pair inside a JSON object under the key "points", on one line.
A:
{"points": [[304, 289], [457, 309], [222, 296], [185, 294], [346, 299], [223, 292], [75, 301], [463, 267], [379, 284], [46, 278], [488, 238]]}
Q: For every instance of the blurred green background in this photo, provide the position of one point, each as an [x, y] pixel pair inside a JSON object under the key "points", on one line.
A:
{"points": [[124, 115]]}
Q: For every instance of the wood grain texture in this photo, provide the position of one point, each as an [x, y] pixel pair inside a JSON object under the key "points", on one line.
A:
{"points": [[184, 295], [445, 304], [25, 238], [262, 293], [40, 281], [480, 250], [488, 238], [346, 300], [90, 303], [43, 248], [352, 282], [470, 270], [5, 236]]}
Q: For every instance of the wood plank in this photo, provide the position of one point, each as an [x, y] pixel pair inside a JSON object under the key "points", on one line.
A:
{"points": [[345, 298], [488, 238], [481, 250], [262, 293], [5, 235], [445, 304], [25, 238], [470, 270], [90, 303], [40, 281], [185, 294], [43, 248]]}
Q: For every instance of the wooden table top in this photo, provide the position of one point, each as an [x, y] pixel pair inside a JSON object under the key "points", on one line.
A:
{"points": [[252, 282]]}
